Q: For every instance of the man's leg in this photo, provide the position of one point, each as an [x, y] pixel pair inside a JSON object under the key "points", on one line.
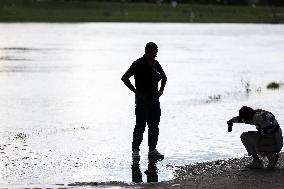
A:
{"points": [[153, 134], [141, 117], [153, 131], [153, 125], [138, 135], [279, 140], [274, 156], [250, 141]]}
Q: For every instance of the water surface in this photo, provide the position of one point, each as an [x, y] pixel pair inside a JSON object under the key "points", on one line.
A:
{"points": [[65, 115]]}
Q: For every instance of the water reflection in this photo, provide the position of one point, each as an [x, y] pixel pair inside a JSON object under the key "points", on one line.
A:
{"points": [[151, 172], [136, 173]]}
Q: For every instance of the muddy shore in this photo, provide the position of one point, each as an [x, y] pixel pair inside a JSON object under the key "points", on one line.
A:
{"points": [[229, 173], [225, 174]]}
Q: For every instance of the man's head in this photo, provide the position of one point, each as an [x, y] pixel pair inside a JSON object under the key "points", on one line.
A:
{"points": [[246, 114], [151, 50]]}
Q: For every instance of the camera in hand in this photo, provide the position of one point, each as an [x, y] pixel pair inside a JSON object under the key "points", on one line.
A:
{"points": [[230, 125], [230, 128]]}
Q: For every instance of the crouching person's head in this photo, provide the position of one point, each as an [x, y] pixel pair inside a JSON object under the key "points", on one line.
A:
{"points": [[246, 114]]}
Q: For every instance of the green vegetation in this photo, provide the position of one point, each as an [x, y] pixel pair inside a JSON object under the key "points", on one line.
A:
{"points": [[273, 85], [90, 11]]}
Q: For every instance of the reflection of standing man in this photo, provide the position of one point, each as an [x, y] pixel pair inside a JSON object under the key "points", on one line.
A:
{"points": [[147, 73]]}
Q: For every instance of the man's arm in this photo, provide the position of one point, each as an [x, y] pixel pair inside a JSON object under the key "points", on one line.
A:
{"points": [[163, 82], [126, 81], [236, 119], [230, 123]]}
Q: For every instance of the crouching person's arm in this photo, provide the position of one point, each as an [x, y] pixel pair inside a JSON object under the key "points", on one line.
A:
{"points": [[230, 123]]}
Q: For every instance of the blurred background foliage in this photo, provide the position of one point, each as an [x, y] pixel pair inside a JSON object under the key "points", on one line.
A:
{"points": [[201, 11]]}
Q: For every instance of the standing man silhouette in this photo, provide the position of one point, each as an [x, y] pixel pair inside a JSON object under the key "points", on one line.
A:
{"points": [[147, 73]]}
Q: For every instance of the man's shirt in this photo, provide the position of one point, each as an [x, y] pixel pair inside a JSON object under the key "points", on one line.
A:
{"points": [[264, 121], [147, 76]]}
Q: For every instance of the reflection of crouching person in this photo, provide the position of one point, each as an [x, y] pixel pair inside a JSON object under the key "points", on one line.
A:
{"points": [[266, 141]]}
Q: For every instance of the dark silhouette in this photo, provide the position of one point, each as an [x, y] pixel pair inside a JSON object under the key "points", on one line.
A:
{"points": [[151, 172], [147, 73], [136, 173], [266, 141]]}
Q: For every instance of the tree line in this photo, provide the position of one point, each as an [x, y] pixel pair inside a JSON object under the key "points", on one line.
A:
{"points": [[210, 2], [217, 2]]}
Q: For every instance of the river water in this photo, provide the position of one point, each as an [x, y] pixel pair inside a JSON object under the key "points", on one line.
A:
{"points": [[65, 115]]}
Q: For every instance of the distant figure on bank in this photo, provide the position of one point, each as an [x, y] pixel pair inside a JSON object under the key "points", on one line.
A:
{"points": [[266, 141], [147, 73]]}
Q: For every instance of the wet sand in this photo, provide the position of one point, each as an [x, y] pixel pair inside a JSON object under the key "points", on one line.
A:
{"points": [[229, 173], [226, 174]]}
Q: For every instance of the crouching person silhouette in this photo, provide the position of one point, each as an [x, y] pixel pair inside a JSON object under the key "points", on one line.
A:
{"points": [[266, 141]]}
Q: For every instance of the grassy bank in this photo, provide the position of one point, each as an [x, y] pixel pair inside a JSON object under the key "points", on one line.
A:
{"points": [[42, 11]]}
